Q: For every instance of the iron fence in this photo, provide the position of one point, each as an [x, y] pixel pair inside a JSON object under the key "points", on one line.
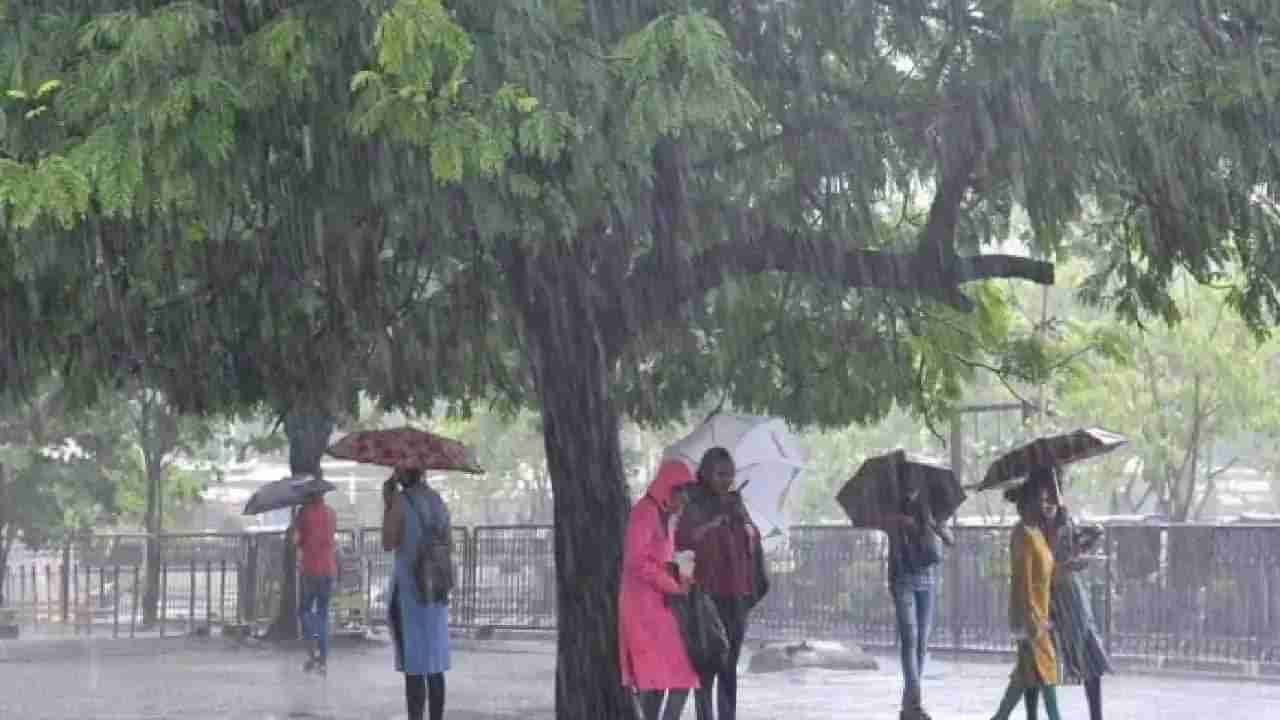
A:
{"points": [[1189, 597]]}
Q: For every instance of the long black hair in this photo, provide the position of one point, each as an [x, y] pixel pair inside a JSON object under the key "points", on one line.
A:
{"points": [[711, 458], [408, 478]]}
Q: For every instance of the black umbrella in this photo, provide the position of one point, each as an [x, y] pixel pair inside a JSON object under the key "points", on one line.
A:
{"points": [[880, 485], [286, 492], [1055, 450]]}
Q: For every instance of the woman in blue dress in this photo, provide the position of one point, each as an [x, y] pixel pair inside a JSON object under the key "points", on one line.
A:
{"points": [[413, 513]]}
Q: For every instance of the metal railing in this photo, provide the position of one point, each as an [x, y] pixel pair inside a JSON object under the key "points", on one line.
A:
{"points": [[1189, 597]]}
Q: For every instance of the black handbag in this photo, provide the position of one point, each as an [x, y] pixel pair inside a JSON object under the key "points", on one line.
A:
{"points": [[433, 578], [922, 548], [705, 638]]}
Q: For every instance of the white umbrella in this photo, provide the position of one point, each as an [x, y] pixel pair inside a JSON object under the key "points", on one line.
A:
{"points": [[768, 458]]}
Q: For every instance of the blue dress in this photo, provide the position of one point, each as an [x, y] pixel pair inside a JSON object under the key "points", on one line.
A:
{"points": [[420, 630]]}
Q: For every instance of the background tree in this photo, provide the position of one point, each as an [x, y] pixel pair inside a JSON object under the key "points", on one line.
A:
{"points": [[1184, 394], [619, 208], [61, 472]]}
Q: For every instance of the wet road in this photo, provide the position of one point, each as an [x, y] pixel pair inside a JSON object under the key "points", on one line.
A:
{"points": [[188, 679]]}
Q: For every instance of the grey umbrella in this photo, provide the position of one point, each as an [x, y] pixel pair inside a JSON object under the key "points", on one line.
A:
{"points": [[286, 492], [1054, 450]]}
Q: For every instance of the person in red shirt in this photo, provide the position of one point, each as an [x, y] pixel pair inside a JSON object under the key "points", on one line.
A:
{"points": [[313, 533]]}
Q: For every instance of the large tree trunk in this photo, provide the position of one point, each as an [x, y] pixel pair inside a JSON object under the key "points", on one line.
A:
{"points": [[571, 368], [308, 430]]}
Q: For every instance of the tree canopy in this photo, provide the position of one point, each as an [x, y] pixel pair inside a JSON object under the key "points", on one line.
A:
{"points": [[605, 208]]}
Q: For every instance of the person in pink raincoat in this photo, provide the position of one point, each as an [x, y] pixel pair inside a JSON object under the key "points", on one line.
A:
{"points": [[654, 662]]}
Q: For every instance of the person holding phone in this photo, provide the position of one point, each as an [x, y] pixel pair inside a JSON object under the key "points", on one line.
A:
{"points": [[730, 568], [915, 550]]}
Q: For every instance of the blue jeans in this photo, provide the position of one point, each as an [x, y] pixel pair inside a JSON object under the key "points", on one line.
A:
{"points": [[913, 605], [314, 610]]}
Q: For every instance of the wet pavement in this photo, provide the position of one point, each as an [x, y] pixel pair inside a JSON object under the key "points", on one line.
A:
{"points": [[206, 679]]}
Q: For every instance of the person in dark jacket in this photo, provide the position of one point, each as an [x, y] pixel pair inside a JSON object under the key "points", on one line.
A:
{"points": [[729, 566], [912, 586]]}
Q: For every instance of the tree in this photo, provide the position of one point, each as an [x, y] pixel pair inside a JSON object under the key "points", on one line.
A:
{"points": [[60, 472], [160, 434], [1183, 393], [611, 209]]}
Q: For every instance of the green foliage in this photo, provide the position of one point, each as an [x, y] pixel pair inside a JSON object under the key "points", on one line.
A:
{"points": [[1184, 395]]}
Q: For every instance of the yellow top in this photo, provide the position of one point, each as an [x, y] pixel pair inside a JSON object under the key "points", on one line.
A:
{"points": [[1032, 578]]}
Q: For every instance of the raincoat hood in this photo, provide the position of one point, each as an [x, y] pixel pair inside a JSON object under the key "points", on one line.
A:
{"points": [[671, 475]]}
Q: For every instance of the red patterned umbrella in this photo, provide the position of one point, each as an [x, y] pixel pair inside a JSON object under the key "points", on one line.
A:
{"points": [[407, 448]]}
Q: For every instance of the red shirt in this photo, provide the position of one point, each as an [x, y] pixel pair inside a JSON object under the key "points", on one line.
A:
{"points": [[316, 526], [723, 555]]}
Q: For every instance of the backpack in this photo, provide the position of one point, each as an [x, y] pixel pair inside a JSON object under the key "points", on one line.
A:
{"points": [[433, 578]]}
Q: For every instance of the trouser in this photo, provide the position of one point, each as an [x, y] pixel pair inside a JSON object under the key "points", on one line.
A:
{"points": [[418, 691], [314, 611], [733, 614], [649, 704], [913, 608], [1092, 693], [1015, 692]]}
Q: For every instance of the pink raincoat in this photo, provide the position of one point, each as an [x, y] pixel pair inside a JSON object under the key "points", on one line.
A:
{"points": [[650, 646]]}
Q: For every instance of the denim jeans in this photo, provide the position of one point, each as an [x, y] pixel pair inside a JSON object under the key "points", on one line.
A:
{"points": [[913, 605], [314, 610]]}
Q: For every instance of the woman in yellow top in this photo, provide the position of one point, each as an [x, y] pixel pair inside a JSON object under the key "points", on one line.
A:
{"points": [[1031, 580]]}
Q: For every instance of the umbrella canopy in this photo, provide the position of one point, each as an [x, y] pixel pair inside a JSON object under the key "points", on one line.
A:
{"points": [[406, 448], [286, 492], [766, 454], [881, 483], [1054, 450]]}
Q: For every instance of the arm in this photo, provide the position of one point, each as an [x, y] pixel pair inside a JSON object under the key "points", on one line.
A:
{"points": [[642, 557], [1023, 578], [693, 526], [392, 523]]}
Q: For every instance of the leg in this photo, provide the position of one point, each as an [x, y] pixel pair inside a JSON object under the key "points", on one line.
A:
{"points": [[675, 704], [320, 620], [1050, 694], [305, 617], [415, 695], [924, 623], [1010, 700], [733, 613], [904, 605], [435, 696], [649, 704], [702, 702], [1093, 692], [1031, 699]]}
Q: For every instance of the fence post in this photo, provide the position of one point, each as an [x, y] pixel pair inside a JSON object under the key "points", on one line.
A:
{"points": [[222, 593], [133, 605], [1107, 584], [191, 597], [115, 601], [953, 592], [65, 581], [208, 595], [249, 588]]}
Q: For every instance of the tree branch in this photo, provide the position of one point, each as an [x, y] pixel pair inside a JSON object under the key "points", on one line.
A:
{"points": [[653, 295]]}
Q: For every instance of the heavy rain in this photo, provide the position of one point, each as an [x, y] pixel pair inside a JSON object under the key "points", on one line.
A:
{"points": [[589, 359]]}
